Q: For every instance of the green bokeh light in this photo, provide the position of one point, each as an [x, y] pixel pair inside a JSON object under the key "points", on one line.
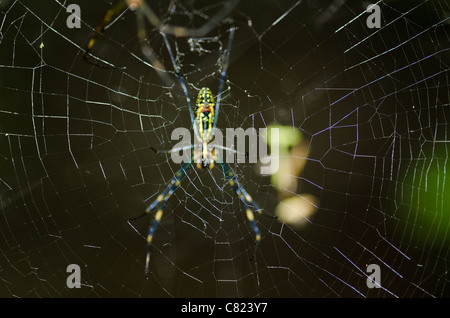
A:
{"points": [[288, 137], [427, 199]]}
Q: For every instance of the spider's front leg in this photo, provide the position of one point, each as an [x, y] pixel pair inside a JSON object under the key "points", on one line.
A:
{"points": [[159, 204], [250, 206]]}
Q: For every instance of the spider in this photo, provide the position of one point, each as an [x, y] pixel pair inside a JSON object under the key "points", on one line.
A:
{"points": [[204, 119]]}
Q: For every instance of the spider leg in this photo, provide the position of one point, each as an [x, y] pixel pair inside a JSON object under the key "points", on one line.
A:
{"points": [[183, 85], [250, 205], [223, 75], [159, 204], [158, 152]]}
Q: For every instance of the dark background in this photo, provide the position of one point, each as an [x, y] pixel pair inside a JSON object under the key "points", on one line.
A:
{"points": [[75, 161]]}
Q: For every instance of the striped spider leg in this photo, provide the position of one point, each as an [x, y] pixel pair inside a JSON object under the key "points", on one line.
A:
{"points": [[204, 120], [158, 205]]}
